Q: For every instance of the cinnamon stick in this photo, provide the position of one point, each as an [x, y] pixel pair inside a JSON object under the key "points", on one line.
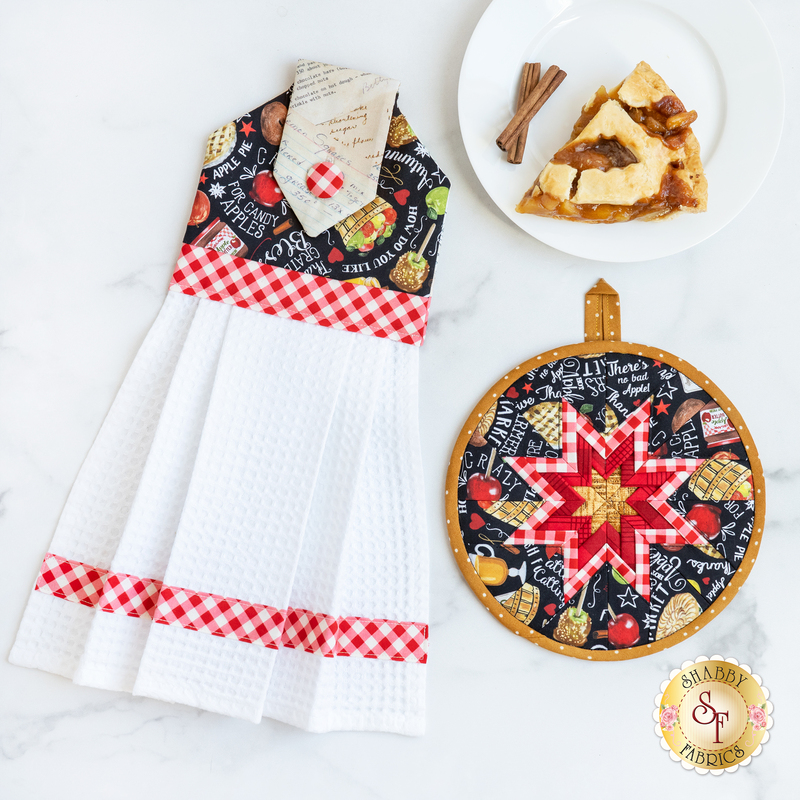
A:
{"points": [[524, 91], [530, 78], [550, 81]]}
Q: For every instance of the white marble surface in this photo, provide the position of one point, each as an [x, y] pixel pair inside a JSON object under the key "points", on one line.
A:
{"points": [[105, 111]]}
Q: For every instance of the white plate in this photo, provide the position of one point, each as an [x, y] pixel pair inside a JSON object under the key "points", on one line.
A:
{"points": [[716, 55]]}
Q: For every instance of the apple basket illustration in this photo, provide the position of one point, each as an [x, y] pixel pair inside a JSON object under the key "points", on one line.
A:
{"points": [[605, 500]]}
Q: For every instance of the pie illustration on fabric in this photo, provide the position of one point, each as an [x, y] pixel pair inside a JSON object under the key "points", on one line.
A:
{"points": [[390, 243], [605, 504], [632, 155]]}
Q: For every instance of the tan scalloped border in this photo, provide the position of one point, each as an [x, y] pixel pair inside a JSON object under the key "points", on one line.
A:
{"points": [[457, 542], [657, 716]]}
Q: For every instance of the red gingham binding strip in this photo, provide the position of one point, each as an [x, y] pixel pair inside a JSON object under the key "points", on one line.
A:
{"points": [[294, 628], [382, 638], [314, 633], [282, 292], [135, 597], [71, 580], [220, 616]]}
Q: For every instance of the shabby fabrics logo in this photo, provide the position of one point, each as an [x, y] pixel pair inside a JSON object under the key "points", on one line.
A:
{"points": [[713, 715]]}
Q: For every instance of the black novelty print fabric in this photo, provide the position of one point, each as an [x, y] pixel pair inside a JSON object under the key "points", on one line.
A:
{"points": [[392, 242], [585, 582]]}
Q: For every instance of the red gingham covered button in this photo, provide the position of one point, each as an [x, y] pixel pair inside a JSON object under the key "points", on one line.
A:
{"points": [[324, 179]]}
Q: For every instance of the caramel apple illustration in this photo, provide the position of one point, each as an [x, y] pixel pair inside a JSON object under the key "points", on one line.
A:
{"points": [[411, 269], [483, 487], [574, 625]]}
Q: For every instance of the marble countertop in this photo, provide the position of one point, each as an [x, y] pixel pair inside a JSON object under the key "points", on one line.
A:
{"points": [[105, 112]]}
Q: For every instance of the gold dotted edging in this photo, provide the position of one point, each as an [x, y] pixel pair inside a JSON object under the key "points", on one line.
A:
{"points": [[501, 613]]}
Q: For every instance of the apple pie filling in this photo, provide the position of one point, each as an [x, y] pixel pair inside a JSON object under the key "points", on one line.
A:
{"points": [[632, 155]]}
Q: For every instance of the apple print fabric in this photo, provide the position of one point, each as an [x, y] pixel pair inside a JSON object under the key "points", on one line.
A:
{"points": [[605, 501], [392, 243]]}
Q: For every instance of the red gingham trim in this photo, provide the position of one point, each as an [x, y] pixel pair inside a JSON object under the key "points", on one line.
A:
{"points": [[552, 501], [294, 628], [135, 597], [71, 580], [659, 501], [220, 616], [282, 292], [314, 633], [382, 638]]}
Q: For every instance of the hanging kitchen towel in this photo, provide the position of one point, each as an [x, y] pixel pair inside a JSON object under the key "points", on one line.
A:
{"points": [[62, 605], [233, 560], [297, 337], [117, 638], [374, 580]]}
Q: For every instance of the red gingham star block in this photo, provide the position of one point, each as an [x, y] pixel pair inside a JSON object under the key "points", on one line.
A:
{"points": [[135, 597], [294, 295], [71, 580], [324, 180], [564, 518]]}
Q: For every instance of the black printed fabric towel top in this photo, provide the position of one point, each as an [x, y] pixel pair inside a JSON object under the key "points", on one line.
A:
{"points": [[391, 243]]}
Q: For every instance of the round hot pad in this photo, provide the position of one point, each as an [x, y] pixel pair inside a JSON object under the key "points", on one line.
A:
{"points": [[605, 500]]}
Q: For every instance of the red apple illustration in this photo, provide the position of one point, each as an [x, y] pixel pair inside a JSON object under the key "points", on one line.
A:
{"points": [[487, 490], [705, 518], [483, 487], [623, 630], [265, 189], [200, 208]]}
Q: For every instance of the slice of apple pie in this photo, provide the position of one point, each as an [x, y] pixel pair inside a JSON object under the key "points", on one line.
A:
{"points": [[632, 155]]}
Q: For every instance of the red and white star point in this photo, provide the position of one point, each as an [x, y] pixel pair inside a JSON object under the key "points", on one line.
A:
{"points": [[622, 539]]}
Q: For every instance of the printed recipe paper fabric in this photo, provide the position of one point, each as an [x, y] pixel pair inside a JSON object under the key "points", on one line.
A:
{"points": [[247, 534]]}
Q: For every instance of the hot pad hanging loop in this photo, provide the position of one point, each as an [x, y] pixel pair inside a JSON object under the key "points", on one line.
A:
{"points": [[602, 314]]}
